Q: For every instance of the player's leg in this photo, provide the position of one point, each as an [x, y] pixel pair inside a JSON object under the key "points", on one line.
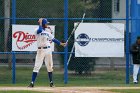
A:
{"points": [[135, 73], [49, 65], [37, 66]]}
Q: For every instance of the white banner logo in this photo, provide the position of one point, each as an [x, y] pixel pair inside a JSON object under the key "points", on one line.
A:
{"points": [[99, 40], [24, 39], [83, 39]]}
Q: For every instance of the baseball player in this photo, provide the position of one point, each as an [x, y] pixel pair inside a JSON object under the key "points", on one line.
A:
{"points": [[135, 50], [44, 51]]}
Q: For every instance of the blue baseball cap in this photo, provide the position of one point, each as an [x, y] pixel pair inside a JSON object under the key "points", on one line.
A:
{"points": [[45, 21]]}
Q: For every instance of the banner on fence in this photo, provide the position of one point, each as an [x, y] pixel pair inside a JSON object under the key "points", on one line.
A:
{"points": [[23, 37], [99, 40]]}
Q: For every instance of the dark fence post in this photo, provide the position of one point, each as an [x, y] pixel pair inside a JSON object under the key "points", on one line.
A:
{"points": [[13, 53], [65, 37], [127, 42], [13, 68], [13, 11]]}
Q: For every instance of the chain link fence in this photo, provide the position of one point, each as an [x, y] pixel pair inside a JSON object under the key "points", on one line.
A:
{"points": [[97, 70], [81, 71]]}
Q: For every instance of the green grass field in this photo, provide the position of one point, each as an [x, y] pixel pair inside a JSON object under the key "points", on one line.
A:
{"points": [[126, 91], [103, 78], [96, 79]]}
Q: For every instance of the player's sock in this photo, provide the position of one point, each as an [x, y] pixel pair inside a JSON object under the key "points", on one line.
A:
{"points": [[34, 75], [50, 76]]}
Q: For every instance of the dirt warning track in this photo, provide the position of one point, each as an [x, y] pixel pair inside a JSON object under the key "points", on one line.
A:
{"points": [[68, 89]]}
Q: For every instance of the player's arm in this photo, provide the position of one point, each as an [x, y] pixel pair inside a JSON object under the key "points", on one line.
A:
{"points": [[58, 42], [39, 30]]}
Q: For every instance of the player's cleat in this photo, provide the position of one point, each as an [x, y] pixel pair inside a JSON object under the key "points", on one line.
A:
{"points": [[135, 82], [52, 85], [31, 85]]}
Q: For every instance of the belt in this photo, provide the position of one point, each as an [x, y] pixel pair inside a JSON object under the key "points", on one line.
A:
{"points": [[43, 47]]}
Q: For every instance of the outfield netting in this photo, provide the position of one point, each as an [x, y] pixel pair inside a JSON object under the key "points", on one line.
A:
{"points": [[81, 71]]}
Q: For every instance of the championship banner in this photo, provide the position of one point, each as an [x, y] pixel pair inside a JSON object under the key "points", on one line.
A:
{"points": [[99, 40], [24, 39]]}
